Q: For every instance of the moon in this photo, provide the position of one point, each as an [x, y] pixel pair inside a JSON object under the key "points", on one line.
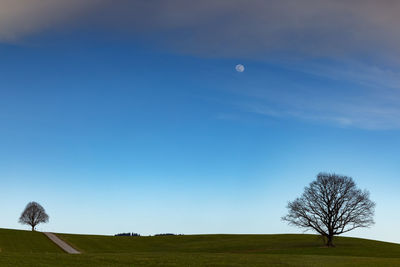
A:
{"points": [[239, 68]]}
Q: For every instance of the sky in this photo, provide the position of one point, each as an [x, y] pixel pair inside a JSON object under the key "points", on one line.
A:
{"points": [[130, 116]]}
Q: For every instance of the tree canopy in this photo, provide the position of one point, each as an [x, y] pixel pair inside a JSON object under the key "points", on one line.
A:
{"points": [[33, 214], [331, 205]]}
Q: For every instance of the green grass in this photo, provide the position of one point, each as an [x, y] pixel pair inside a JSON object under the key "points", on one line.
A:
{"points": [[25, 242], [23, 248], [249, 244]]}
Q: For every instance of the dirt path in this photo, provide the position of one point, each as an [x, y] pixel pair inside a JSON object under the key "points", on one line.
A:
{"points": [[67, 248]]}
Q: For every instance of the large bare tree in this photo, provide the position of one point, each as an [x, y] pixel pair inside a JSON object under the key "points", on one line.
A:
{"points": [[33, 214], [331, 205]]}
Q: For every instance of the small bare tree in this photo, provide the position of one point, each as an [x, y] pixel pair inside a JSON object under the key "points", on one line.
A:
{"points": [[331, 205], [33, 214]]}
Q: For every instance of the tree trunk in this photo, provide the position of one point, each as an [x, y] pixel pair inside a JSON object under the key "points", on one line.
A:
{"points": [[33, 228], [329, 243]]}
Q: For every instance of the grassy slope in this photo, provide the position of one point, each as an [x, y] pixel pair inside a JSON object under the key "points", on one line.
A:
{"points": [[22, 248], [25, 242], [249, 244]]}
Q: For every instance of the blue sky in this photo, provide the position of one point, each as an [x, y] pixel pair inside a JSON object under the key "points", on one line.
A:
{"points": [[126, 130]]}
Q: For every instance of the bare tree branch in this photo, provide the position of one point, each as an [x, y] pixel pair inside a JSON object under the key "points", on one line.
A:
{"points": [[33, 214], [331, 205]]}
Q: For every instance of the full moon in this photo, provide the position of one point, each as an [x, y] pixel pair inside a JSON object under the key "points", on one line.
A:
{"points": [[239, 68]]}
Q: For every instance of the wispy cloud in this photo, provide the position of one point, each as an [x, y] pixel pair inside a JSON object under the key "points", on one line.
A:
{"points": [[354, 117], [233, 28], [22, 18], [347, 96], [262, 29], [359, 38]]}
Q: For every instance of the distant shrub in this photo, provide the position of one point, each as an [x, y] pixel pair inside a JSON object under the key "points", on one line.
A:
{"points": [[165, 234], [127, 234]]}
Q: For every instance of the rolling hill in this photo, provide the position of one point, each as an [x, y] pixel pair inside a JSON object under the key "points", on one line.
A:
{"points": [[24, 248]]}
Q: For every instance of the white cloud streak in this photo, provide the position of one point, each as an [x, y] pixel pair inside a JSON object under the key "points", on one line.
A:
{"points": [[350, 96]]}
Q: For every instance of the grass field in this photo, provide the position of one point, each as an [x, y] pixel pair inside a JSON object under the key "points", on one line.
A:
{"points": [[25, 242], [23, 248]]}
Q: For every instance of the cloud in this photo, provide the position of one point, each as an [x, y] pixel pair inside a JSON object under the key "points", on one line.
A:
{"points": [[231, 28], [266, 28], [21, 18], [362, 117], [359, 38], [365, 97]]}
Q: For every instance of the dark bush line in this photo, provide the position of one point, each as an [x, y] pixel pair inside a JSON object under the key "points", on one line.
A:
{"points": [[136, 234], [127, 234]]}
